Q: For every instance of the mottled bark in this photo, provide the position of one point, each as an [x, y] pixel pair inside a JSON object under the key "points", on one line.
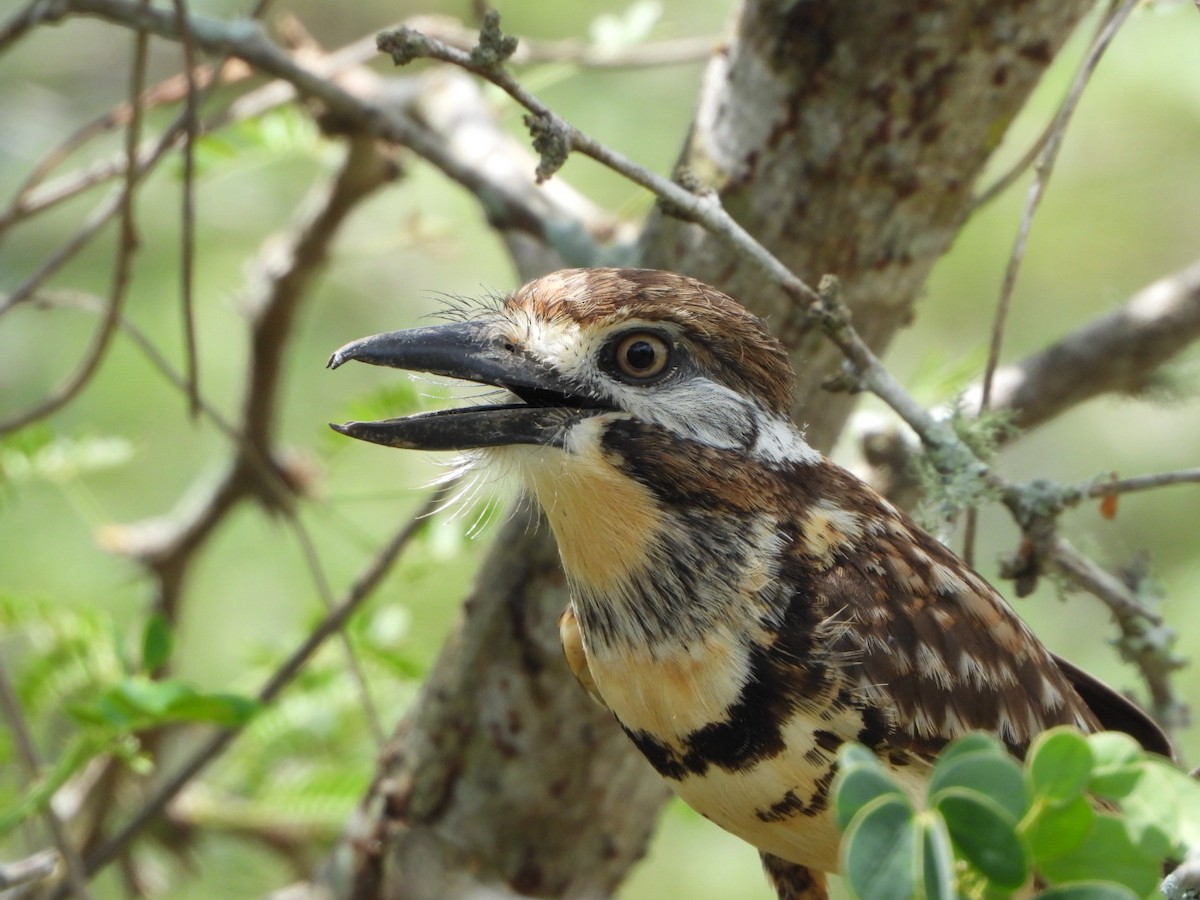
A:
{"points": [[847, 137]]}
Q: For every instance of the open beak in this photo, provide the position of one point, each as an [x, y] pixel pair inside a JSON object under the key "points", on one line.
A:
{"points": [[544, 407]]}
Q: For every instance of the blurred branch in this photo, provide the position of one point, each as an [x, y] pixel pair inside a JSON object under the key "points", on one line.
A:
{"points": [[280, 278], [21, 23], [187, 237], [285, 269], [1139, 483], [24, 872], [672, 52], [127, 244], [33, 196], [362, 588], [35, 867]]}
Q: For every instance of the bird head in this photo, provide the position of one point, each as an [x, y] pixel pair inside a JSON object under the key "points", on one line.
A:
{"points": [[581, 348], [630, 398]]}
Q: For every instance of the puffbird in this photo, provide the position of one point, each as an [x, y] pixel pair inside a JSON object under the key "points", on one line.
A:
{"points": [[741, 604]]}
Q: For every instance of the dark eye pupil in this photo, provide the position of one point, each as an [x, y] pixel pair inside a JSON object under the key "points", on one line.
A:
{"points": [[640, 355]]}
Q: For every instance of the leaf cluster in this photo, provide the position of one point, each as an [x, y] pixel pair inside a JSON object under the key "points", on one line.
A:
{"points": [[1086, 818]]}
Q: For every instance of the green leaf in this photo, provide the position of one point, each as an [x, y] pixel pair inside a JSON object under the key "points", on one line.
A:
{"points": [[229, 710], [937, 857], [1060, 765], [975, 742], [1088, 890], [1117, 764], [134, 703], [157, 642], [1107, 854], [860, 784], [1057, 830], [985, 834], [998, 777], [1162, 812], [879, 852]]}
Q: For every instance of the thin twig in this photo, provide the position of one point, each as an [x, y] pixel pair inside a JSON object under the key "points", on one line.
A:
{"points": [[1042, 170], [21, 23], [1136, 483], [27, 756], [33, 197], [650, 54], [127, 244], [33, 868], [317, 573], [187, 239], [1145, 640]]}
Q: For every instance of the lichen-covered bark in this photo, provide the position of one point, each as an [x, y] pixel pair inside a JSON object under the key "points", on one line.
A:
{"points": [[847, 136]]}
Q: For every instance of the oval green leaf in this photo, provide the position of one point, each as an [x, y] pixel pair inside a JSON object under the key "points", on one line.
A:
{"points": [[1060, 765], [985, 835], [998, 777], [1107, 854], [1057, 830], [879, 852], [157, 642], [1118, 761], [858, 786], [975, 742]]}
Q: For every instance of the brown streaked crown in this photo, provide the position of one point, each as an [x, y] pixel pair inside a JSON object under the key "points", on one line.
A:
{"points": [[725, 339]]}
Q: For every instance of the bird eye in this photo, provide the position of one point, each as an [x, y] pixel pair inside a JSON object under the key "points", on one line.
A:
{"points": [[641, 355]]}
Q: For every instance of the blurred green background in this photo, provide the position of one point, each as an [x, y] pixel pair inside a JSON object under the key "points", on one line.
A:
{"points": [[1123, 209]]}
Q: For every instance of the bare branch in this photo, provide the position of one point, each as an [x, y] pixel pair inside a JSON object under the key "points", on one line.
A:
{"points": [[1119, 353], [672, 52], [33, 868], [1138, 483], [21, 23], [127, 243], [191, 117], [23, 872]]}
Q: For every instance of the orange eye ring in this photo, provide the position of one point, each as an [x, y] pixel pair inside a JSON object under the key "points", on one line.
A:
{"points": [[642, 355]]}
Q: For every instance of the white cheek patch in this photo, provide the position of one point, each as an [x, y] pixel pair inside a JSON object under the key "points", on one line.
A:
{"points": [[781, 441], [696, 408]]}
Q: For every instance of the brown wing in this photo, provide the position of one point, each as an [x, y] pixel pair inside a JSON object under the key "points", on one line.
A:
{"points": [[930, 644], [1115, 711]]}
